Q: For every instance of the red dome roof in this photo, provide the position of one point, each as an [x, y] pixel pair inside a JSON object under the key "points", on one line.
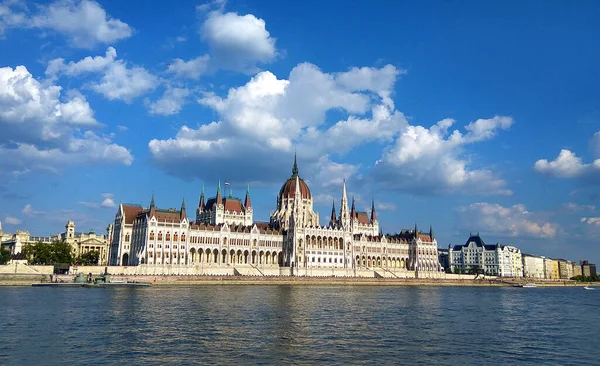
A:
{"points": [[289, 189]]}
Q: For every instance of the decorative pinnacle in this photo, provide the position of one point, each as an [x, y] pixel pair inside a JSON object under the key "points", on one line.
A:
{"points": [[295, 168]]}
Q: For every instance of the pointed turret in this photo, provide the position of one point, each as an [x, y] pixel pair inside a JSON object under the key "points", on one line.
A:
{"points": [[353, 209], [416, 230], [373, 213], [201, 204], [182, 213], [431, 232], [344, 214], [219, 198], [295, 167], [247, 204], [152, 207], [333, 219]]}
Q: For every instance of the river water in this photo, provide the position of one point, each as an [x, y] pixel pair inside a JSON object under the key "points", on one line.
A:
{"points": [[300, 324]]}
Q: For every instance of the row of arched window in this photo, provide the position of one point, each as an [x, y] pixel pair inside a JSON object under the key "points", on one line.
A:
{"points": [[167, 236]]}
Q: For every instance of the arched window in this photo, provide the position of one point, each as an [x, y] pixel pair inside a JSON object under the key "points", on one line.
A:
{"points": [[126, 237], [152, 235], [168, 236], [182, 237], [175, 237], [160, 235], [150, 254]]}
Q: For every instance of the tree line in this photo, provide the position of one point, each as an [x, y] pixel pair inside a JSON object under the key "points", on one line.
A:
{"points": [[57, 252]]}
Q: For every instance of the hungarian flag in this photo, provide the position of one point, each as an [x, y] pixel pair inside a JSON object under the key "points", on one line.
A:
{"points": [[227, 183]]}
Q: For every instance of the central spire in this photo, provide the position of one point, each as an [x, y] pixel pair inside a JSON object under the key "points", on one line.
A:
{"points": [[295, 168]]}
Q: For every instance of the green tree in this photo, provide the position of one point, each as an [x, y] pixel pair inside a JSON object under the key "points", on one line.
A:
{"points": [[48, 253], [4, 256], [89, 258]]}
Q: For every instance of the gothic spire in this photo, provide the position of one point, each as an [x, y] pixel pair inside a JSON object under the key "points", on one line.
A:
{"points": [[431, 232], [353, 209], [182, 214], [219, 198], [416, 231], [373, 213], [152, 201], [333, 217], [295, 168], [247, 201]]}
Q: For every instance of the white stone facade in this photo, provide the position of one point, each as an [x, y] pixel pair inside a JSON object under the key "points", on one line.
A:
{"points": [[292, 243], [533, 266], [494, 260]]}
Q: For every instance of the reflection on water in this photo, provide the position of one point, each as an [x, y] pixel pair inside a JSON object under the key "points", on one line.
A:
{"points": [[299, 324]]}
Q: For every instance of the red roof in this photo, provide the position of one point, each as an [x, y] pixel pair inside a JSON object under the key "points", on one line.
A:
{"points": [[289, 189], [363, 218], [130, 212], [233, 205]]}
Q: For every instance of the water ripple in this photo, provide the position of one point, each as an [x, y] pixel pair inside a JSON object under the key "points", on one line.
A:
{"points": [[298, 324]]}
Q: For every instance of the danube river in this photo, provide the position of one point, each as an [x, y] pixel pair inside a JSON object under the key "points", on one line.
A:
{"points": [[300, 324]]}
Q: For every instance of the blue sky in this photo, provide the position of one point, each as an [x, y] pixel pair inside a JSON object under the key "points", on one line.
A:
{"points": [[473, 116]]}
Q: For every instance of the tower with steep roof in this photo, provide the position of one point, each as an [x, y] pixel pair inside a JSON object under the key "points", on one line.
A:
{"points": [[344, 218], [182, 213], [333, 219]]}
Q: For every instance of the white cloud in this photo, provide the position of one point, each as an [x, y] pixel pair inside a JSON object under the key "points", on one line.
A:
{"points": [[120, 82], [192, 69], [122, 128], [170, 103], [569, 166], [384, 206], [12, 220], [514, 221], [238, 42], [261, 121], [88, 64], [29, 211], [85, 23], [577, 207], [108, 200], [594, 221], [566, 165], [117, 82], [426, 160], [41, 132]]}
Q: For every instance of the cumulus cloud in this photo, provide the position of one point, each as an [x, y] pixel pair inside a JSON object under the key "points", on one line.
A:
{"points": [[514, 221], [42, 131], [238, 42], [170, 103], [577, 207], [84, 23], [118, 81], [594, 221], [567, 165], [192, 69], [12, 220], [260, 122], [106, 202], [235, 42], [433, 160], [88, 64]]}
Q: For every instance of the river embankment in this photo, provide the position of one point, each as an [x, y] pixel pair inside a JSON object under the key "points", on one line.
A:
{"points": [[178, 280]]}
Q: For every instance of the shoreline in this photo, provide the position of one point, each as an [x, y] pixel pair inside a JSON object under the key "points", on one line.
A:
{"points": [[164, 281]]}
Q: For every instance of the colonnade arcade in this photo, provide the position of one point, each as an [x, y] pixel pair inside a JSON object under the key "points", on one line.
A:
{"points": [[367, 261], [214, 256]]}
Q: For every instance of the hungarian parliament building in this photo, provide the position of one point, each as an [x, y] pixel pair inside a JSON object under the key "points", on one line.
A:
{"points": [[224, 239]]}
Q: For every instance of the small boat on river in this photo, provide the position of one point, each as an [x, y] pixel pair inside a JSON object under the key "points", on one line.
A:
{"points": [[526, 285], [82, 280], [588, 287]]}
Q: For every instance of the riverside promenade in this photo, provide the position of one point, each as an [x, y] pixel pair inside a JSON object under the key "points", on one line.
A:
{"points": [[187, 280]]}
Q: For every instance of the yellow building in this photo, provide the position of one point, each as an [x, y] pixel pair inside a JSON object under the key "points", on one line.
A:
{"points": [[555, 269]]}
